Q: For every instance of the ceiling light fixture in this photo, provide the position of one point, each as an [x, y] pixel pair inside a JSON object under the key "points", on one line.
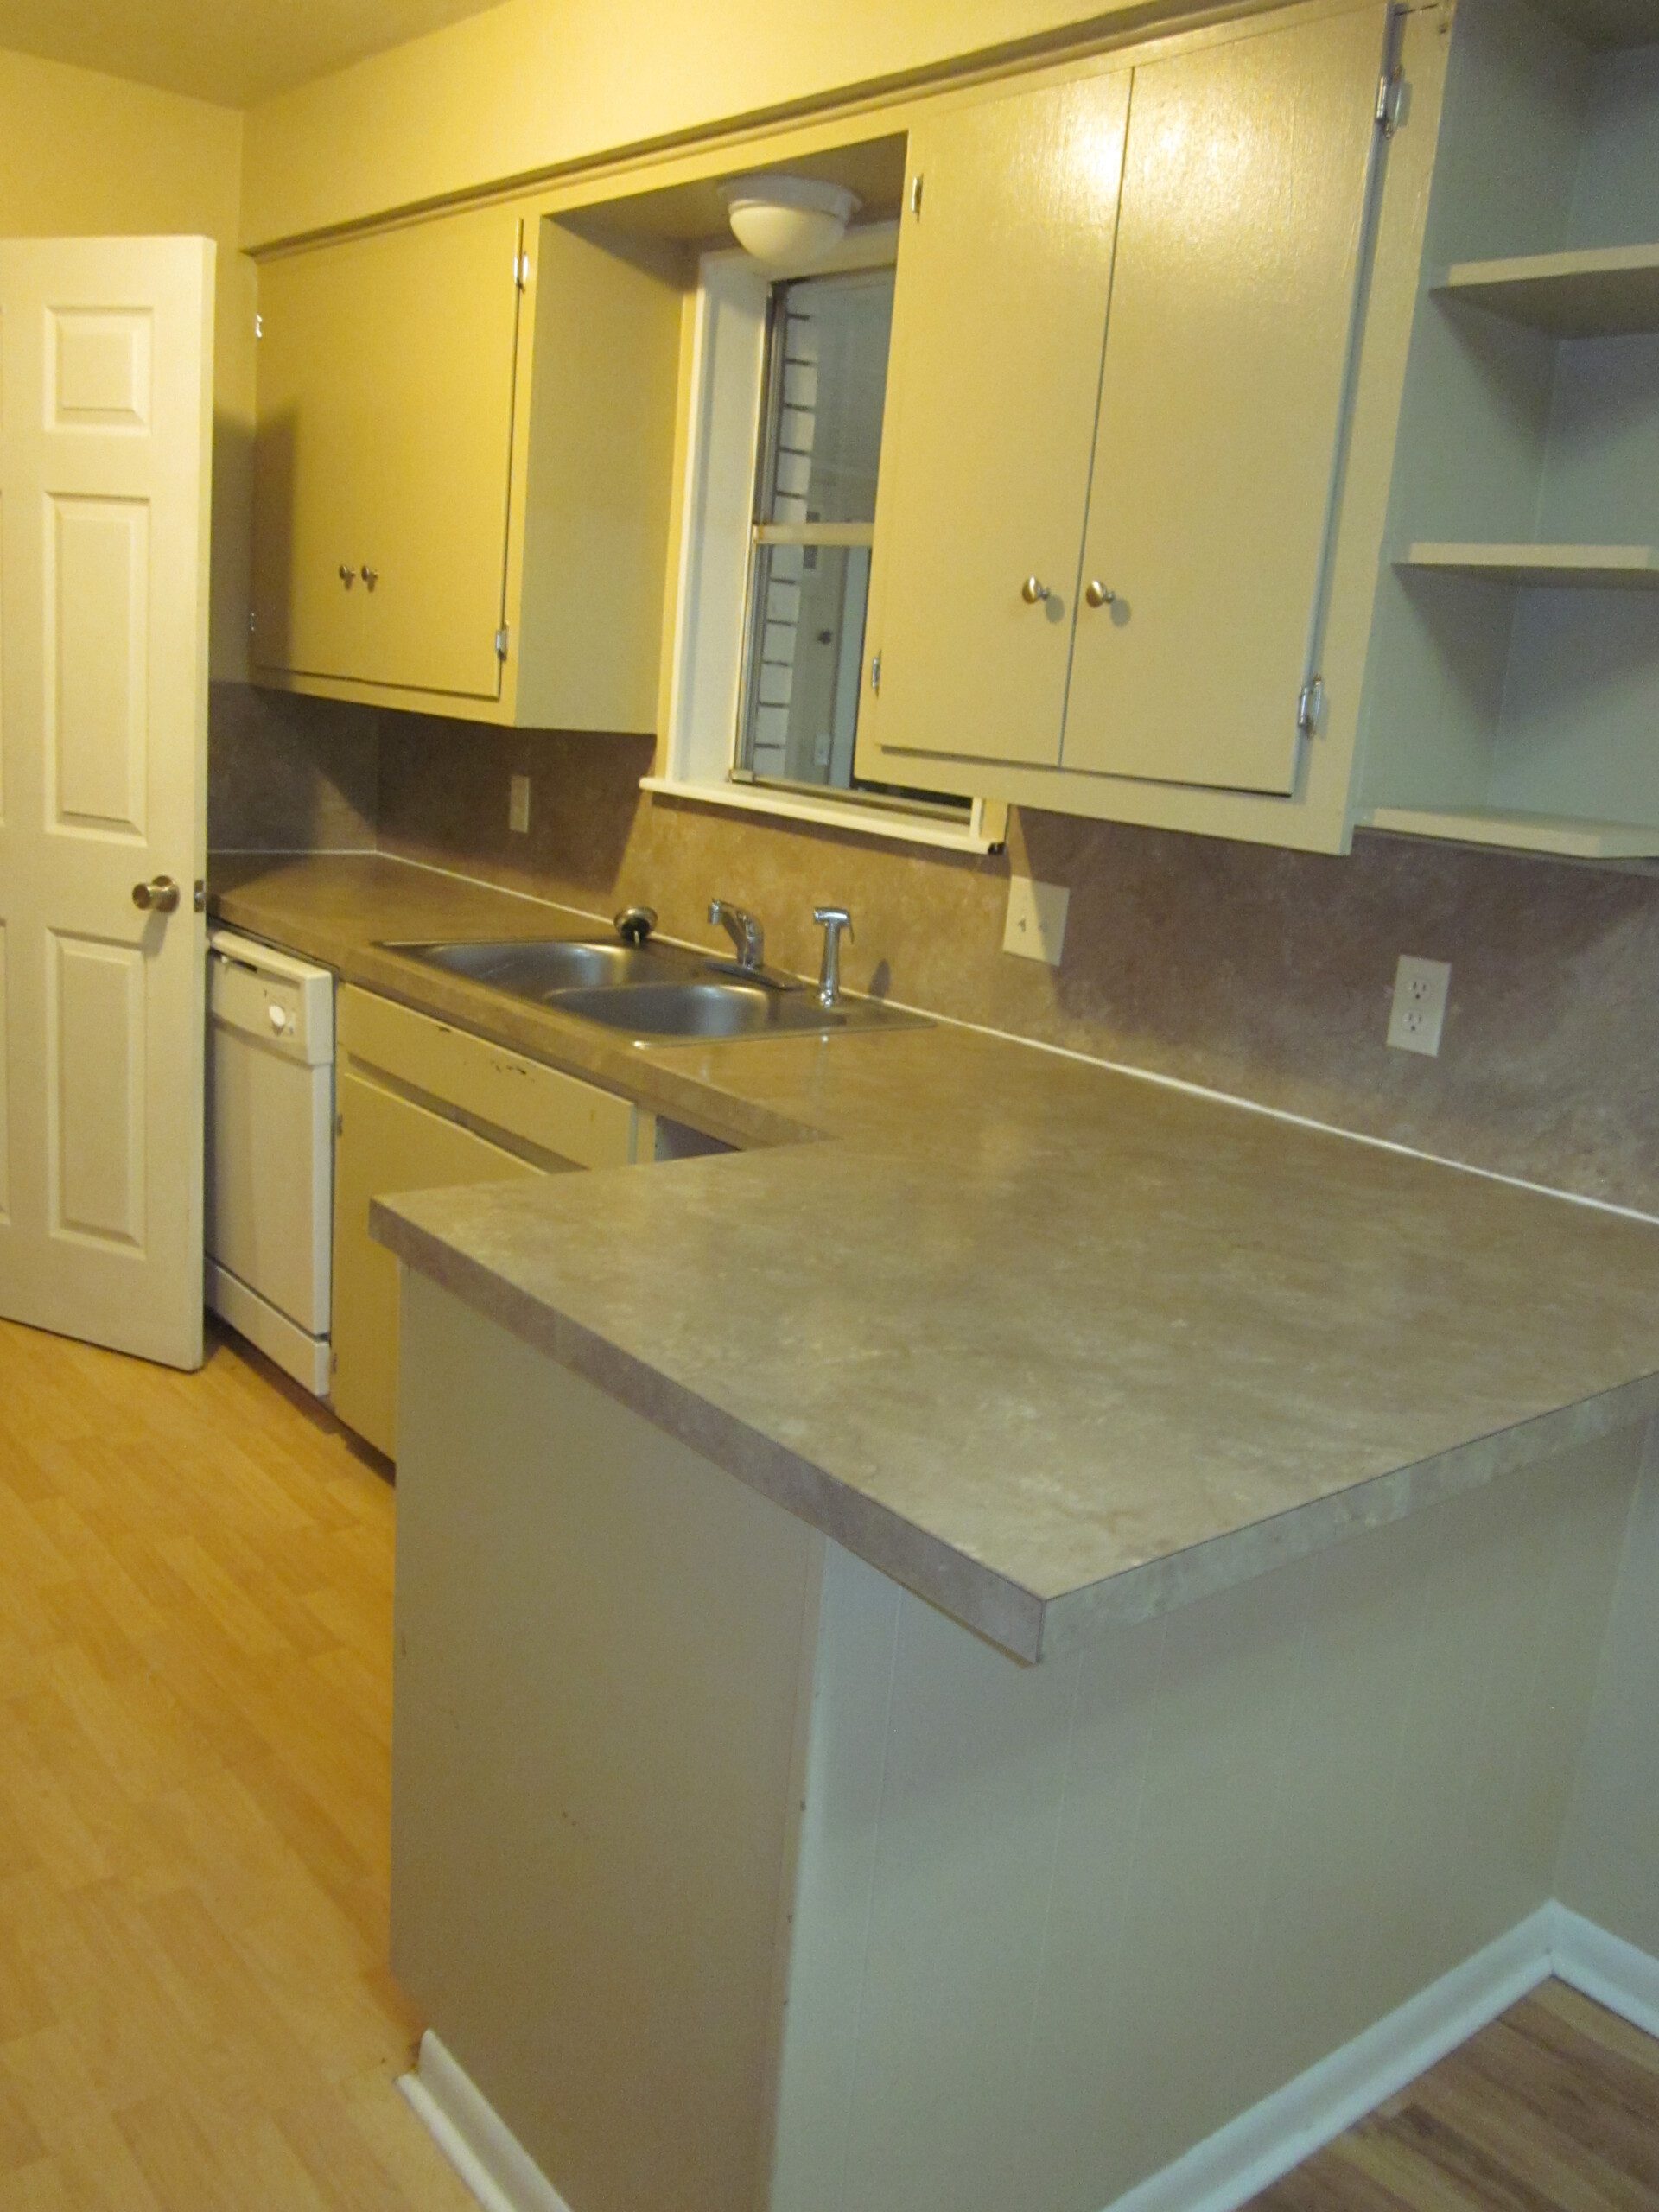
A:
{"points": [[788, 223]]}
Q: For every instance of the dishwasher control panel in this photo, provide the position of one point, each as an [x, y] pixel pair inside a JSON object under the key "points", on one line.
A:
{"points": [[293, 1011]]}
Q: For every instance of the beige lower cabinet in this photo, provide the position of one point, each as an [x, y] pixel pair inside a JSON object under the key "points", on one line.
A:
{"points": [[423, 1106], [734, 1875]]}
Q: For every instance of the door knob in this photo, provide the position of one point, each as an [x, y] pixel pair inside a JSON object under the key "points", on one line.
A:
{"points": [[1033, 590], [1098, 594], [159, 896]]}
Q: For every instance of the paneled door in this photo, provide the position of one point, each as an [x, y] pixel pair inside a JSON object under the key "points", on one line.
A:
{"points": [[105, 420]]}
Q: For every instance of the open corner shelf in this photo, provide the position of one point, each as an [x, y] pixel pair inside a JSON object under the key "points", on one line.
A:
{"points": [[1564, 834], [1600, 292], [1581, 568]]}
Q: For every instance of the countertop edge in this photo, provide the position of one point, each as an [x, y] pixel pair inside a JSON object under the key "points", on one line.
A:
{"points": [[1003, 1612]]}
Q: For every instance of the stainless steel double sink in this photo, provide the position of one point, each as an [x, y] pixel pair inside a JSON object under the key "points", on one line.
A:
{"points": [[653, 991]]}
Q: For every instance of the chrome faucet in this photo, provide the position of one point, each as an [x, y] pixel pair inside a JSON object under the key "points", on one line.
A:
{"points": [[745, 932], [832, 920]]}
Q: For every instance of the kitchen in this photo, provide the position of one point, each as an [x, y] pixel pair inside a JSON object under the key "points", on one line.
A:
{"points": [[884, 1349]]}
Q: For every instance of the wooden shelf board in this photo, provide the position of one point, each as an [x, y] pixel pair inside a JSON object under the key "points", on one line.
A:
{"points": [[1521, 832], [1602, 292], [1591, 568]]}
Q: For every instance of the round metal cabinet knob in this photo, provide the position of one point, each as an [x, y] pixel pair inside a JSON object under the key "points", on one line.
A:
{"points": [[1097, 594], [1033, 591], [347, 574], [371, 576], [159, 896]]}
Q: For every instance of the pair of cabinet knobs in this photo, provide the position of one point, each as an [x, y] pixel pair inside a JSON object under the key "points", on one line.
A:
{"points": [[348, 575], [1033, 591]]}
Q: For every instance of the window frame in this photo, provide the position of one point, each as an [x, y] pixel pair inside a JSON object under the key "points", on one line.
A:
{"points": [[724, 412]]}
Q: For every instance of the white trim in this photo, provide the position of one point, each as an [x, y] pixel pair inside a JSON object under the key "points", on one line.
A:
{"points": [[1261, 2145], [473, 2136], [1605, 1967], [1238, 2161], [981, 831], [282, 1341]]}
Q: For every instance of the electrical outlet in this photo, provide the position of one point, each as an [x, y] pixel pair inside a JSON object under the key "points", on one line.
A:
{"points": [[518, 805], [1419, 1011], [1036, 924]]}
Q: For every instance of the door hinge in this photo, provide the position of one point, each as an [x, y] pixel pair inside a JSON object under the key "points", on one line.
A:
{"points": [[915, 194], [501, 643], [259, 325], [1391, 100], [201, 898], [520, 270], [876, 671], [1310, 706], [340, 1125], [253, 621]]}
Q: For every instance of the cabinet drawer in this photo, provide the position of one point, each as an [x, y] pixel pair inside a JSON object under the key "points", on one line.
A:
{"points": [[539, 1105]]}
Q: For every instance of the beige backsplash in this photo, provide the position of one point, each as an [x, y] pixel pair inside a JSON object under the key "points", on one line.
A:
{"points": [[1262, 973]]}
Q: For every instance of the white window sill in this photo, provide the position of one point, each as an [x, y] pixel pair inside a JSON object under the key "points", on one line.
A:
{"points": [[984, 830]]}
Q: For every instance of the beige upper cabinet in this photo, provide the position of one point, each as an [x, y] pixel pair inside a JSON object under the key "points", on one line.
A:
{"points": [[381, 544], [1126, 327], [1245, 192], [999, 315], [463, 469]]}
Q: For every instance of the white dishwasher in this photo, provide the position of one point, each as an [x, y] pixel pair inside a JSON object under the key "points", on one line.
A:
{"points": [[271, 1151]]}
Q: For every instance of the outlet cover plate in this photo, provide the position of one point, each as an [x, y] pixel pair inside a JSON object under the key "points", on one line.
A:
{"points": [[1036, 923], [518, 805], [1421, 987]]}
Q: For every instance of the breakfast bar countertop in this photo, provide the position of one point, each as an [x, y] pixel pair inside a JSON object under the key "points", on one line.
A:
{"points": [[1051, 1345]]}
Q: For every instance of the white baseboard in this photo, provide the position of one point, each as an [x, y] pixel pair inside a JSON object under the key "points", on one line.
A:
{"points": [[1248, 2155], [473, 2137], [1605, 1967], [1251, 2153]]}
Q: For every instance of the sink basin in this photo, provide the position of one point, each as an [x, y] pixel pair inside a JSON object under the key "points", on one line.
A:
{"points": [[534, 968], [650, 990], [716, 1009]]}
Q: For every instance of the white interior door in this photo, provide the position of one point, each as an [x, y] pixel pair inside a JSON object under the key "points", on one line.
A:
{"points": [[105, 421]]}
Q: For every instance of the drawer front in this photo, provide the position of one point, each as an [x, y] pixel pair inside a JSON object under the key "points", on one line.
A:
{"points": [[539, 1105]]}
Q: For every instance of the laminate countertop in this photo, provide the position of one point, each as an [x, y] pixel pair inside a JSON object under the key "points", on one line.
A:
{"points": [[1048, 1344]]}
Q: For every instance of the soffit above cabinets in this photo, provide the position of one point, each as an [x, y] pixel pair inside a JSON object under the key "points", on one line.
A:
{"points": [[693, 211], [235, 53]]}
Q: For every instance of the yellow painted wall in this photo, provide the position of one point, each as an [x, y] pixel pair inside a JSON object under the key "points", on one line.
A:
{"points": [[85, 154], [532, 85]]}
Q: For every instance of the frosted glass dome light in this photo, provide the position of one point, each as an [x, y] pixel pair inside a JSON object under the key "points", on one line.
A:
{"points": [[788, 223]]}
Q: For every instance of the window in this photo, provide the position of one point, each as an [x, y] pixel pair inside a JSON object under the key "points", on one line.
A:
{"points": [[826, 376], [771, 656]]}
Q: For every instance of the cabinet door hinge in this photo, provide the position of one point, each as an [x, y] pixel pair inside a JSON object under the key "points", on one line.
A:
{"points": [[1310, 706], [915, 194], [1391, 100], [876, 671], [501, 643], [520, 270], [259, 325]]}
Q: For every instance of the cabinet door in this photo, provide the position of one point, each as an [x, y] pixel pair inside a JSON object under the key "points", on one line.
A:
{"points": [[386, 432], [387, 1144], [999, 319], [1246, 184]]}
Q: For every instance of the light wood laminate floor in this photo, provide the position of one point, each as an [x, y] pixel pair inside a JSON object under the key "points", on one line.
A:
{"points": [[195, 1591], [1553, 2108]]}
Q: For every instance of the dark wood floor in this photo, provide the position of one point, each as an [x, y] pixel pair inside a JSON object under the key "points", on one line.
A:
{"points": [[1553, 2108]]}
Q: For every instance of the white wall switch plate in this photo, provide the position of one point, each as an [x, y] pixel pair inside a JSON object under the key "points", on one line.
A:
{"points": [[518, 804], [1036, 924], [1419, 1011]]}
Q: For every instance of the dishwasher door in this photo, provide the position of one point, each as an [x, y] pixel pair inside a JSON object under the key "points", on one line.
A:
{"points": [[271, 1151]]}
